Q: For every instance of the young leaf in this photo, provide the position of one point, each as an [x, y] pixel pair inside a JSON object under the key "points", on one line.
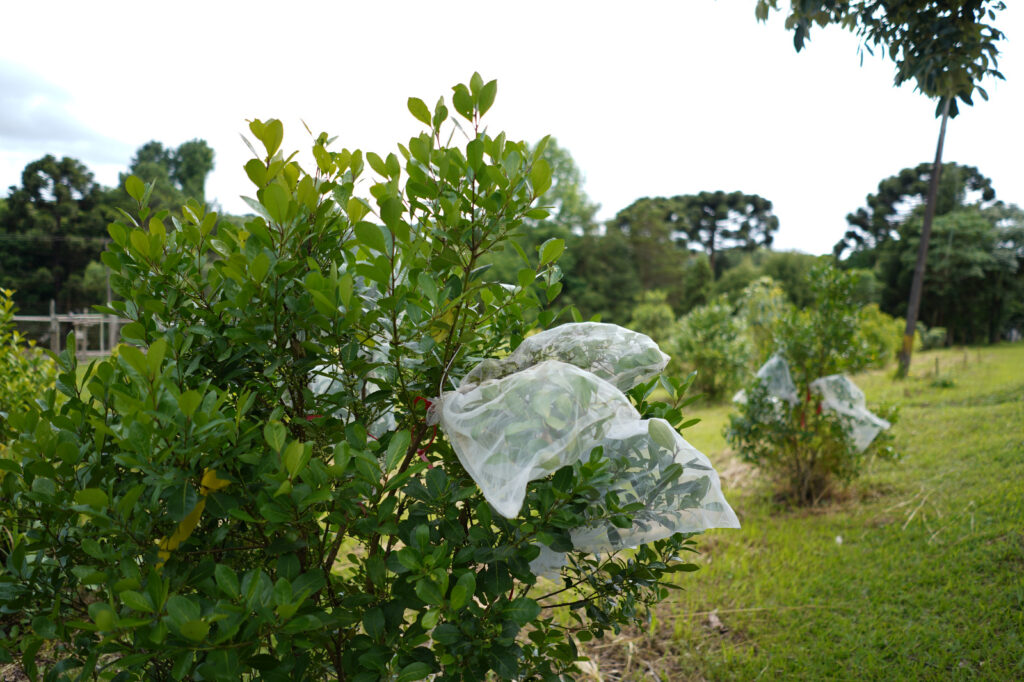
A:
{"points": [[397, 448], [418, 109], [551, 250]]}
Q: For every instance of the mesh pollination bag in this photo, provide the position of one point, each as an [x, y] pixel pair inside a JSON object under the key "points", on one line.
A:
{"points": [[774, 374], [510, 431], [618, 355], [523, 417], [844, 398], [839, 395]]}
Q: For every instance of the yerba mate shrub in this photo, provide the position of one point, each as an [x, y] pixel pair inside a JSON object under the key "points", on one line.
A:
{"points": [[248, 488], [806, 449]]}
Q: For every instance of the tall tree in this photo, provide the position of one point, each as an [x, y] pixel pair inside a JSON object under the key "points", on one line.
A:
{"points": [[191, 163], [947, 48], [603, 279], [974, 276], [900, 195], [650, 226], [714, 221], [53, 226], [709, 221], [178, 173]]}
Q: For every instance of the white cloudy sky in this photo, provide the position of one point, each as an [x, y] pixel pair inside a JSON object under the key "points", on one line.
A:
{"points": [[651, 98]]}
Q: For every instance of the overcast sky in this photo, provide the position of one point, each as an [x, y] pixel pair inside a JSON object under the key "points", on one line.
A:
{"points": [[651, 98]]}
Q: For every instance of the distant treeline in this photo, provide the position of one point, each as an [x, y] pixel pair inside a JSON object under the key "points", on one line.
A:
{"points": [[681, 252]]}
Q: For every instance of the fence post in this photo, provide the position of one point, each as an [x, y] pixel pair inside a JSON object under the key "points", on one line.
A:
{"points": [[112, 332], [54, 328]]}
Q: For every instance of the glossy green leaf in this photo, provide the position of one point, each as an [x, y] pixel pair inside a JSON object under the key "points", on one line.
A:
{"points": [[227, 580], [93, 497], [397, 448], [274, 433], [294, 458], [487, 95], [370, 235], [189, 401], [463, 591], [275, 200], [427, 590], [136, 601], [414, 671], [540, 177], [135, 187], [195, 630], [551, 250], [522, 611]]}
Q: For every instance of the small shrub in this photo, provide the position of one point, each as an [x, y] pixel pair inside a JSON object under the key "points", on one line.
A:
{"points": [[935, 337], [762, 304], [710, 340], [653, 316], [805, 449], [882, 334], [25, 371]]}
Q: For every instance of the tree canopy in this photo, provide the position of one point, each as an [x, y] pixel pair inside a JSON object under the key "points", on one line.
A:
{"points": [[54, 224], [178, 173], [898, 195], [946, 48]]}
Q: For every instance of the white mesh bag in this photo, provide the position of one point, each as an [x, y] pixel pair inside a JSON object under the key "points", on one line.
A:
{"points": [[510, 431], [774, 374], [843, 397], [329, 379], [683, 499], [619, 355]]}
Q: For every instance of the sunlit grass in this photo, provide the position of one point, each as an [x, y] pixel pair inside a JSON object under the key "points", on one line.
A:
{"points": [[915, 572]]}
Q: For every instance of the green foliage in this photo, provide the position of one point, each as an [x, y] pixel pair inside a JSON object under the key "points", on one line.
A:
{"points": [[25, 372], [881, 334], [935, 337], [53, 226], [654, 317], [892, 581], [713, 221], [876, 224], [176, 174], [974, 278], [761, 307], [709, 221], [947, 49], [604, 279], [803, 447], [249, 488], [710, 340]]}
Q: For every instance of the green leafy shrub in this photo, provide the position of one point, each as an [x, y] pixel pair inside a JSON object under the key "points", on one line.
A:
{"points": [[248, 488], [25, 371], [882, 334], [710, 340], [804, 448], [653, 316], [932, 338], [761, 305]]}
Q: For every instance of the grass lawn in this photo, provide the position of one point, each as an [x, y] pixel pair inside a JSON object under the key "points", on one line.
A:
{"points": [[914, 572]]}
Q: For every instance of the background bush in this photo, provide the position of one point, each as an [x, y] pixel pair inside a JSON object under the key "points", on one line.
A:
{"points": [[711, 340], [25, 371], [803, 448]]}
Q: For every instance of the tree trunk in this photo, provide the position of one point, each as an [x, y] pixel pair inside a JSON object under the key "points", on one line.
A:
{"points": [[922, 252]]}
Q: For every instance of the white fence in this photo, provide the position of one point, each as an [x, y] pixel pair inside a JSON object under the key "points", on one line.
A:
{"points": [[102, 330]]}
